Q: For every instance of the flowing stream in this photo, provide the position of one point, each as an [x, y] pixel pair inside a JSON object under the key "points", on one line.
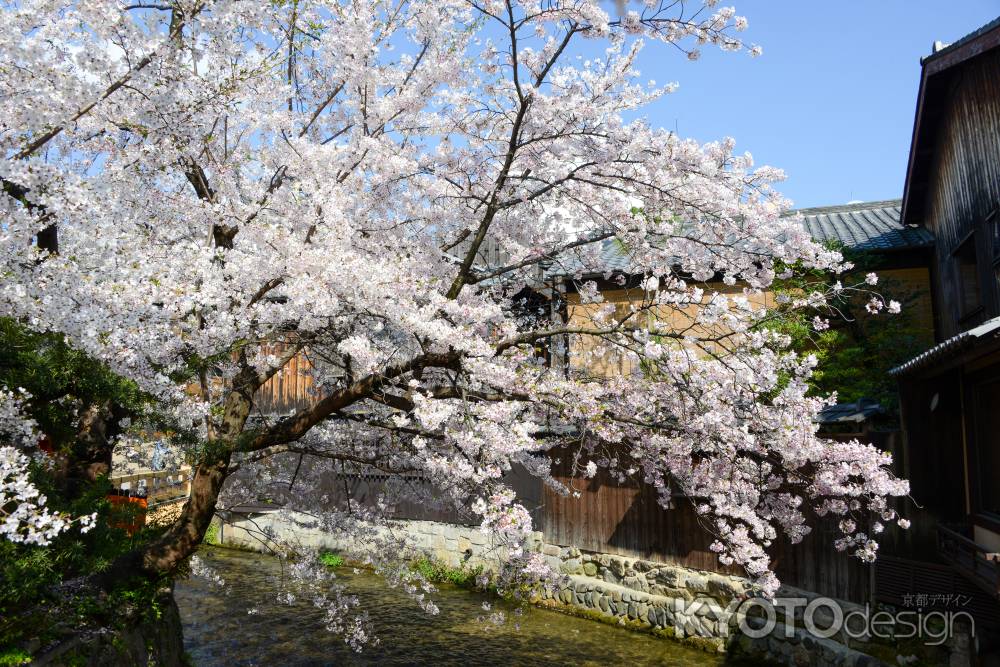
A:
{"points": [[219, 631]]}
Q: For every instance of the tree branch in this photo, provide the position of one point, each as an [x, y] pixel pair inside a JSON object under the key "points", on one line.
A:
{"points": [[295, 426], [45, 138]]}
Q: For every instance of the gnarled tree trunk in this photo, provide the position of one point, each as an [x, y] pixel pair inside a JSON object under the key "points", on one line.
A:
{"points": [[187, 532], [180, 541]]}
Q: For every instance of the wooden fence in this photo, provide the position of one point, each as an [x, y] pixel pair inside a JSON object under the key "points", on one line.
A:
{"points": [[627, 519], [409, 496], [412, 496]]}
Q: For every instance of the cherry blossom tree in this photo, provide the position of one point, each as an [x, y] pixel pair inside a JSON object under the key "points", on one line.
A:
{"points": [[23, 515], [195, 191]]}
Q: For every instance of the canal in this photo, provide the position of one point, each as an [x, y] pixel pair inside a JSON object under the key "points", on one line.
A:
{"points": [[219, 631]]}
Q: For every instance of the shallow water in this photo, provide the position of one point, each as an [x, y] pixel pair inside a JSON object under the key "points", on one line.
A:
{"points": [[218, 631]]}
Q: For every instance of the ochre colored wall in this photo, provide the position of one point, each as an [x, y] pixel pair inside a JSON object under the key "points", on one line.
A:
{"points": [[601, 359], [912, 288], [909, 286]]}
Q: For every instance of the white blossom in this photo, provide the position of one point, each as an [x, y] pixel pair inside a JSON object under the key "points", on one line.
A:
{"points": [[23, 515], [383, 218]]}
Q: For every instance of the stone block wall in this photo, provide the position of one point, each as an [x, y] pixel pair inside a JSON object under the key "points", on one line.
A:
{"points": [[694, 606], [451, 544]]}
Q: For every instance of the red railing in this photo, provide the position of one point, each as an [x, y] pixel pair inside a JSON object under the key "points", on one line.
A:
{"points": [[162, 486]]}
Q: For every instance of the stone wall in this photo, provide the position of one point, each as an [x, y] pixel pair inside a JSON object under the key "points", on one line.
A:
{"points": [[697, 607], [451, 544]]}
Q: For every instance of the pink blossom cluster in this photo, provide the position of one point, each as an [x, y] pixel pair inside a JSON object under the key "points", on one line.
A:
{"points": [[386, 189], [23, 515]]}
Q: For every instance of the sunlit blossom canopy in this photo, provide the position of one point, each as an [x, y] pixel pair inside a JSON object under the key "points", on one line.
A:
{"points": [[372, 183]]}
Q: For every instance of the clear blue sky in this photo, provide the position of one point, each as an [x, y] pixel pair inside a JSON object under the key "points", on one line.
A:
{"points": [[831, 101]]}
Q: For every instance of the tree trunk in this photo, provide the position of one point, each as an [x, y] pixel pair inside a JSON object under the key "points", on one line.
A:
{"points": [[92, 450], [89, 454], [165, 554], [184, 536]]}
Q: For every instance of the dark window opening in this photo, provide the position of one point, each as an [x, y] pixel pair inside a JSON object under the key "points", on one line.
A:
{"points": [[970, 298], [987, 444]]}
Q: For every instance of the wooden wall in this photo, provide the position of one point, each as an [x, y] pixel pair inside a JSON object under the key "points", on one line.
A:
{"points": [[964, 182], [627, 519], [290, 389]]}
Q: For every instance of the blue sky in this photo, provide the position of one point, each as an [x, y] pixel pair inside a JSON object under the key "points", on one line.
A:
{"points": [[832, 99]]}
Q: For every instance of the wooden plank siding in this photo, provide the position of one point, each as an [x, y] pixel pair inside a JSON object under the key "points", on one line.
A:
{"points": [[291, 388], [626, 519], [963, 185]]}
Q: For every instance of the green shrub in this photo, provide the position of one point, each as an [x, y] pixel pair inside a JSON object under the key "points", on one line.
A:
{"points": [[440, 573], [331, 560], [14, 656], [62, 381], [28, 573], [212, 534], [856, 353]]}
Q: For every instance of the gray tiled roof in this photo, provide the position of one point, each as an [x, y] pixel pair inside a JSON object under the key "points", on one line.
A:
{"points": [[857, 411], [987, 330], [948, 48], [613, 260], [873, 226], [865, 226]]}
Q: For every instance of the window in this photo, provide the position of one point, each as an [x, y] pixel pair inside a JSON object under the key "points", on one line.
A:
{"points": [[987, 444], [969, 297]]}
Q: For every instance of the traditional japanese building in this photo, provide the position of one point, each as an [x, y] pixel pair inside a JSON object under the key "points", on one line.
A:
{"points": [[950, 394], [899, 253], [623, 517]]}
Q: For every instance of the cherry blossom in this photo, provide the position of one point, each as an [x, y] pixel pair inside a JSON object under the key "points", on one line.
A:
{"points": [[376, 186], [23, 515]]}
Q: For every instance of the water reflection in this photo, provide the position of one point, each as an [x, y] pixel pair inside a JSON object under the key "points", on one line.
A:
{"points": [[218, 630]]}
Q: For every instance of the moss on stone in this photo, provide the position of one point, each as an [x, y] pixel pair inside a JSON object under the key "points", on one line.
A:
{"points": [[212, 533], [440, 572]]}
